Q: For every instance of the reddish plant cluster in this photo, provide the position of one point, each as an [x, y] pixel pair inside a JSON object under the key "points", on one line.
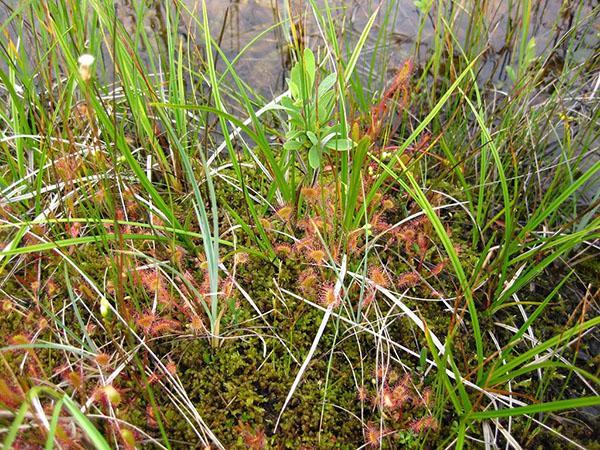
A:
{"points": [[308, 282], [254, 439], [414, 236], [154, 284], [108, 395], [329, 298], [374, 433], [408, 279], [379, 276], [399, 89], [423, 424], [154, 325], [11, 395], [157, 376], [394, 400], [319, 225]]}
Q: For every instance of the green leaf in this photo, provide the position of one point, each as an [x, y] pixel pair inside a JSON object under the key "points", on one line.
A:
{"points": [[355, 185], [288, 105], [537, 408], [326, 104], [294, 89], [292, 145], [295, 81], [340, 144], [313, 137], [309, 68], [530, 51], [326, 85], [511, 74], [293, 135], [423, 5], [423, 358], [50, 440], [314, 157], [92, 432]]}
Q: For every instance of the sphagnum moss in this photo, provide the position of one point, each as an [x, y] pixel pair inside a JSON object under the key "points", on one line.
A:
{"points": [[468, 201]]}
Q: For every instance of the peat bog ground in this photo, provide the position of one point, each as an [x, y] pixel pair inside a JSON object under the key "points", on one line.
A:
{"points": [[299, 224]]}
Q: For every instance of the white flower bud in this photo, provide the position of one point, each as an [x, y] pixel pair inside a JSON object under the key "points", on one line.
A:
{"points": [[85, 64]]}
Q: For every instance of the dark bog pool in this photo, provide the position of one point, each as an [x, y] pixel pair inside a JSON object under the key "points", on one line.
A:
{"points": [[258, 30], [237, 23]]}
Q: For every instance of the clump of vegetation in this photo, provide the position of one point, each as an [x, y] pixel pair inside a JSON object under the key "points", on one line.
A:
{"points": [[385, 255]]}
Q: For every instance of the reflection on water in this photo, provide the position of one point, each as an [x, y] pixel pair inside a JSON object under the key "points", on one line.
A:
{"points": [[235, 23]]}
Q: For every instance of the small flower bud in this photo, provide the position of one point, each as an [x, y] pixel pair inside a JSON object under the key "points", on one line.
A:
{"points": [[128, 438], [85, 64], [112, 395], [104, 307]]}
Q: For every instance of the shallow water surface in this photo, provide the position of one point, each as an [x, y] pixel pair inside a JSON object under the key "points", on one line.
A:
{"points": [[255, 32], [262, 23]]}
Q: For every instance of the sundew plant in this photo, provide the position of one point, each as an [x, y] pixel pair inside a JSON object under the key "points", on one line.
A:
{"points": [[299, 224]]}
